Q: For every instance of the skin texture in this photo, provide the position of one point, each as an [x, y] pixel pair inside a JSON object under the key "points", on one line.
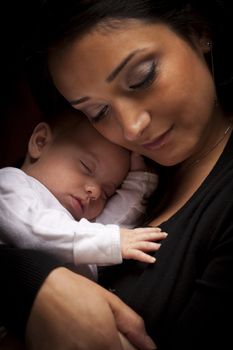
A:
{"points": [[55, 321], [176, 104], [125, 343]]}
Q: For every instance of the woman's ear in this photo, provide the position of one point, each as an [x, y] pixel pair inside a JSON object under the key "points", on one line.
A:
{"points": [[40, 138]]}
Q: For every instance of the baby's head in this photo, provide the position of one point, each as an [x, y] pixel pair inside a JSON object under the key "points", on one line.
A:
{"points": [[79, 166]]}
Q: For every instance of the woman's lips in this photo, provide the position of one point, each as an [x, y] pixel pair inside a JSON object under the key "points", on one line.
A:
{"points": [[159, 141]]}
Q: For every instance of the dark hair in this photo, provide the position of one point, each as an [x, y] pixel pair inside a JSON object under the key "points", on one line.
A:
{"points": [[62, 21]]}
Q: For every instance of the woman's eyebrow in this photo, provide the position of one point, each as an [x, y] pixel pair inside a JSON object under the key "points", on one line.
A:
{"points": [[79, 100], [111, 76], [117, 70]]}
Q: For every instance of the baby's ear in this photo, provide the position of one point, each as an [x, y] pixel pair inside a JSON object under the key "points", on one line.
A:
{"points": [[39, 139]]}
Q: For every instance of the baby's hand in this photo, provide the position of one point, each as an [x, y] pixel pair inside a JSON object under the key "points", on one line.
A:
{"points": [[136, 242]]}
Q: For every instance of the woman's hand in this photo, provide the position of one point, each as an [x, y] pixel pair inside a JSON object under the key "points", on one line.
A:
{"points": [[72, 312], [126, 345]]}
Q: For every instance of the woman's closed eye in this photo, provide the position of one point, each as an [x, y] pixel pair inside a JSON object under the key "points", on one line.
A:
{"points": [[139, 78], [143, 76], [96, 117]]}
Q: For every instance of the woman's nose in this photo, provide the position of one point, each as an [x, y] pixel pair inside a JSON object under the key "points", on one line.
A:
{"points": [[133, 123], [93, 190]]}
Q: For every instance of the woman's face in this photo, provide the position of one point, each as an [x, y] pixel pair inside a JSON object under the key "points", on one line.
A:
{"points": [[142, 86]]}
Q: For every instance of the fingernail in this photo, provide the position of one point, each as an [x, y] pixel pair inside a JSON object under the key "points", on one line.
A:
{"points": [[149, 342], [165, 234], [152, 259]]}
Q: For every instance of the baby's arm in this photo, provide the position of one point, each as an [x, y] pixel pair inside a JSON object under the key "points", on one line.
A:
{"points": [[128, 204], [27, 222]]}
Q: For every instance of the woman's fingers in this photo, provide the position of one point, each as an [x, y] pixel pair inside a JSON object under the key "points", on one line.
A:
{"points": [[125, 343], [130, 324]]}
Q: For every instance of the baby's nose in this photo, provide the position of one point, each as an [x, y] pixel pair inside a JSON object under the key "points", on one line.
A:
{"points": [[94, 191]]}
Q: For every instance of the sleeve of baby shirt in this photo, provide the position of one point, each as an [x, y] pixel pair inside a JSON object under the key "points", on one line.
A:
{"points": [[129, 201]]}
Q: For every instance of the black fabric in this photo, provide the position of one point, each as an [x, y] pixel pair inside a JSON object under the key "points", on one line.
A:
{"points": [[22, 274], [186, 297]]}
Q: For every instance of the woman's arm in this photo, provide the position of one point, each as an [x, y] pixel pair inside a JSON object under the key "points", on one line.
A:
{"points": [[59, 308], [22, 274], [71, 311]]}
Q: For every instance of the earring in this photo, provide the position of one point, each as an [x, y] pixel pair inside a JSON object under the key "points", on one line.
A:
{"points": [[210, 45]]}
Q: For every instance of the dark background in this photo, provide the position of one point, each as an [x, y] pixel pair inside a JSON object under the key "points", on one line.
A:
{"points": [[19, 111]]}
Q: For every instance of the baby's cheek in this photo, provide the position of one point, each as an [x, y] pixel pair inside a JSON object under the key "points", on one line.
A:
{"points": [[96, 208], [101, 205]]}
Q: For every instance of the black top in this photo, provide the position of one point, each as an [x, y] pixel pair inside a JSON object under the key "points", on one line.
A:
{"points": [[186, 297], [22, 274]]}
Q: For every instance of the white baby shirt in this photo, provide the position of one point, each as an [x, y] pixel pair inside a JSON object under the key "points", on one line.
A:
{"points": [[32, 217]]}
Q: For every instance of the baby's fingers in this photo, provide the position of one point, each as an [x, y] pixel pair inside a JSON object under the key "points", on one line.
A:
{"points": [[140, 256], [138, 250], [146, 246], [147, 229], [149, 234]]}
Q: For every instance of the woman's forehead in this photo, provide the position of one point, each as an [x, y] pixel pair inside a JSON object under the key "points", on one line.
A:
{"points": [[97, 54]]}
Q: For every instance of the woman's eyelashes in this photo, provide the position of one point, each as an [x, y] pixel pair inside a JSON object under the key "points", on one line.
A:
{"points": [[100, 115], [140, 78], [143, 76], [96, 113]]}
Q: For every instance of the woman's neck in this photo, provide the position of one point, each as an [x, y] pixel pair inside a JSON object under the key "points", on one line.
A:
{"points": [[187, 177], [212, 142]]}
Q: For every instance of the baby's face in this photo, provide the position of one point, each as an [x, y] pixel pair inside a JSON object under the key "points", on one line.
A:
{"points": [[83, 169]]}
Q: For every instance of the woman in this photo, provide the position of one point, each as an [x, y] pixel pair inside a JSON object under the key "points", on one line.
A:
{"points": [[155, 77]]}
